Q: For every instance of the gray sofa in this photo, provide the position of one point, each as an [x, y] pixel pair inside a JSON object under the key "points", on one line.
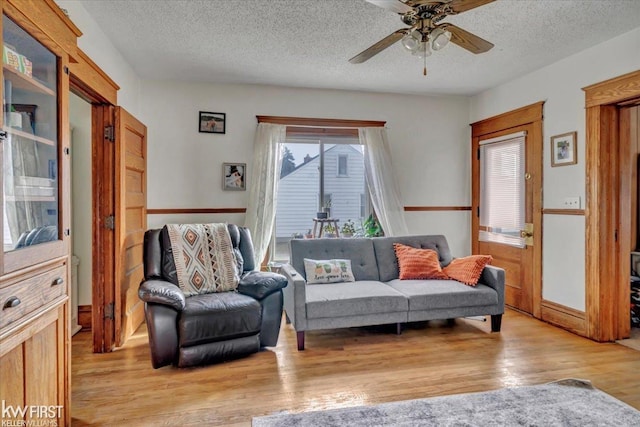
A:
{"points": [[378, 296]]}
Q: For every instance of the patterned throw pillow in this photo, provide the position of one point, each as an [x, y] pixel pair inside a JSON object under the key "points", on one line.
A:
{"points": [[468, 269], [328, 271], [417, 263]]}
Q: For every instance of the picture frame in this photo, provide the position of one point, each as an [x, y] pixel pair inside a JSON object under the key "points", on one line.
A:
{"points": [[234, 176], [209, 122], [564, 149]]}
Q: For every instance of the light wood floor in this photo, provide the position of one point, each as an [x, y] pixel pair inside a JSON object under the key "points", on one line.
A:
{"points": [[341, 368]]}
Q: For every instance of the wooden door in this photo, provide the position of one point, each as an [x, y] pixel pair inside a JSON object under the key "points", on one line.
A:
{"points": [[521, 261], [130, 221]]}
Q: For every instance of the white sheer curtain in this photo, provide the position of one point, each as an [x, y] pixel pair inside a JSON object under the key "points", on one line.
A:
{"points": [[263, 185], [382, 185]]}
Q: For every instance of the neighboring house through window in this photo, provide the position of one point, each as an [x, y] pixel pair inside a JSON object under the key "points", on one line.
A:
{"points": [[342, 165], [317, 172]]}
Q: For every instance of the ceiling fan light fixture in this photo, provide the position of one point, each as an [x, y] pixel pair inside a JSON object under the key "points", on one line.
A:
{"points": [[412, 41], [423, 50], [440, 38]]}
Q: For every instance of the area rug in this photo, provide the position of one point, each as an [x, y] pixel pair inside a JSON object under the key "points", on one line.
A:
{"points": [[568, 402]]}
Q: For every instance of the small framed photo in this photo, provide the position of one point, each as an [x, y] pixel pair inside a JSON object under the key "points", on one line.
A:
{"points": [[234, 176], [564, 149], [212, 122]]}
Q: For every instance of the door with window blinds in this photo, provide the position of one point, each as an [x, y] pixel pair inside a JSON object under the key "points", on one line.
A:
{"points": [[504, 209], [502, 190]]}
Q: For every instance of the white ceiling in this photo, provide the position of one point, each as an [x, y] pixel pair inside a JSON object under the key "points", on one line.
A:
{"points": [[307, 43]]}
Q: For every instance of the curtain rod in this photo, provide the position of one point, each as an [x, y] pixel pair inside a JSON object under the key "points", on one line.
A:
{"points": [[319, 123]]}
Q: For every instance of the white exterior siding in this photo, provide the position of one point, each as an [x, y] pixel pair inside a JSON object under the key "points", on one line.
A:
{"points": [[298, 192]]}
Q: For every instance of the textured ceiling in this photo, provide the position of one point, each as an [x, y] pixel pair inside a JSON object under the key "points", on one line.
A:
{"points": [[307, 43]]}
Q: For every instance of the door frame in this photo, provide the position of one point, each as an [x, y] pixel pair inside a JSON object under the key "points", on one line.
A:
{"points": [[88, 81], [530, 115], [607, 226]]}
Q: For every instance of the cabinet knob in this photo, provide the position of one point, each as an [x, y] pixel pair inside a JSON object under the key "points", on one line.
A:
{"points": [[58, 281], [11, 302]]}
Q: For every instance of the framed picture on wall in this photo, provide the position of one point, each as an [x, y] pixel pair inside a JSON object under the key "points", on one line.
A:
{"points": [[564, 149], [212, 122], [234, 176]]}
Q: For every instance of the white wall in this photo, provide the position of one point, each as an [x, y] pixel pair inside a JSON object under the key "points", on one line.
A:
{"points": [[429, 137], [559, 85], [99, 48], [80, 119]]}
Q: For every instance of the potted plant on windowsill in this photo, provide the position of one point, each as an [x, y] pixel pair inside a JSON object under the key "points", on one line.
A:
{"points": [[348, 229], [308, 234], [329, 231]]}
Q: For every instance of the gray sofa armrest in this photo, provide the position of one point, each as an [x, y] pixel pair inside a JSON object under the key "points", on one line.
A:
{"points": [[494, 278], [261, 284], [162, 292], [295, 297]]}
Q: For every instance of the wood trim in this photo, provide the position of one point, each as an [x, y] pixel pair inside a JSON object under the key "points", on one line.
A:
{"points": [[564, 317], [164, 211], [601, 213], [613, 91], [510, 119], [103, 199], [436, 208], [552, 211], [295, 131], [89, 79], [315, 122], [84, 317], [61, 30]]}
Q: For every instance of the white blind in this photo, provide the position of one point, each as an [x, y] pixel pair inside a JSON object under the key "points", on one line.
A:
{"points": [[502, 190]]}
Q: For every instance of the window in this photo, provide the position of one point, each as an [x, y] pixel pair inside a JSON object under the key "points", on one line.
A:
{"points": [[342, 164], [502, 190], [318, 172]]}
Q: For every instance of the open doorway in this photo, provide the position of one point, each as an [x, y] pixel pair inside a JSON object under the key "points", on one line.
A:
{"points": [[609, 222], [81, 213]]}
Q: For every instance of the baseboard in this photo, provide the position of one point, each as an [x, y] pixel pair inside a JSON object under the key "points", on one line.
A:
{"points": [[565, 317], [84, 317]]}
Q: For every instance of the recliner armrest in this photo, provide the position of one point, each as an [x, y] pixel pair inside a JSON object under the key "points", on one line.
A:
{"points": [[261, 284], [162, 292]]}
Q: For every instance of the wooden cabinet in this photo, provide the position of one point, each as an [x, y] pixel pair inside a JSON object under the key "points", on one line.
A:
{"points": [[38, 42]]}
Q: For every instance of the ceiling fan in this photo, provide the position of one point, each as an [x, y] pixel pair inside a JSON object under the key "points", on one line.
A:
{"points": [[425, 31]]}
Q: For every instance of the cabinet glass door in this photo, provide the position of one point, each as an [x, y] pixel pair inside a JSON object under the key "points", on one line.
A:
{"points": [[30, 144]]}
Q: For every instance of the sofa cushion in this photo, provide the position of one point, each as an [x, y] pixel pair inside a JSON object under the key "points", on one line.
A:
{"points": [[359, 251], [433, 294], [468, 269], [386, 258], [218, 316], [415, 263], [353, 299], [328, 270]]}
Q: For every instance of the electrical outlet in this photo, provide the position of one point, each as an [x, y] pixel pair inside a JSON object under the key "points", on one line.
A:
{"points": [[572, 202]]}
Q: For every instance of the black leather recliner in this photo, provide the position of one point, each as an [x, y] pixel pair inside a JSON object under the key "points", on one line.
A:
{"points": [[202, 329]]}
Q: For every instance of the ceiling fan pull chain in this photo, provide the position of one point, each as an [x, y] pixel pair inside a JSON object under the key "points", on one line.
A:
{"points": [[424, 70]]}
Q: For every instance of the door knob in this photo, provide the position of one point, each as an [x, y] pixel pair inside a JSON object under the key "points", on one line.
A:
{"points": [[527, 234]]}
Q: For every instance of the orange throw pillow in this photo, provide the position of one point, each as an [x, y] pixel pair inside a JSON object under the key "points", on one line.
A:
{"points": [[417, 263], [468, 269]]}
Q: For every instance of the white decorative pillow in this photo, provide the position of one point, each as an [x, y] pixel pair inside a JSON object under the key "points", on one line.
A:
{"points": [[328, 271]]}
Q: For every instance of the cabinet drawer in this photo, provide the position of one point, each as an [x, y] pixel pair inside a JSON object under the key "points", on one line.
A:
{"points": [[32, 293]]}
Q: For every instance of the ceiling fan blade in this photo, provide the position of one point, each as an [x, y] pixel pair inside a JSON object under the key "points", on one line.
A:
{"points": [[379, 46], [392, 5], [466, 40], [460, 6]]}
